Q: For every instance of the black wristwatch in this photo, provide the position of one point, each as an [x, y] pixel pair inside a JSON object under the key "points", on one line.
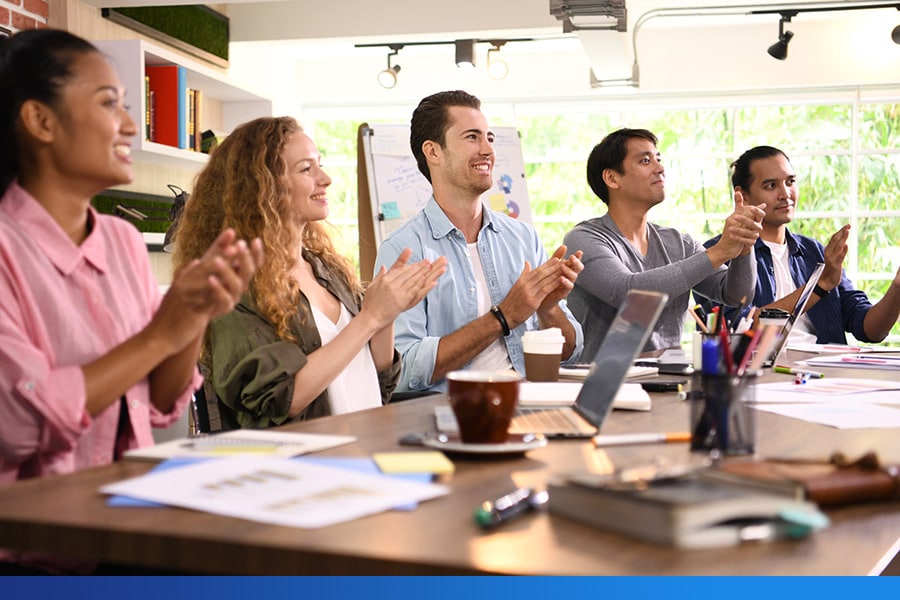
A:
{"points": [[495, 310], [821, 293]]}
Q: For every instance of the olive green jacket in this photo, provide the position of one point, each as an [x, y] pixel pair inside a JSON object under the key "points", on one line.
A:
{"points": [[251, 371]]}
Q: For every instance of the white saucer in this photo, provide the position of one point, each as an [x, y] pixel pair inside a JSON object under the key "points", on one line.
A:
{"points": [[516, 443]]}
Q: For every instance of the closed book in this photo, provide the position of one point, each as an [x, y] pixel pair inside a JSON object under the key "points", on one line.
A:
{"points": [[183, 110], [686, 512], [164, 86], [191, 117], [832, 483], [148, 108], [198, 138]]}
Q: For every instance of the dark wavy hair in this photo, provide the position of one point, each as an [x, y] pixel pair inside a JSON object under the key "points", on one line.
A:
{"points": [[431, 119], [610, 153], [34, 65]]}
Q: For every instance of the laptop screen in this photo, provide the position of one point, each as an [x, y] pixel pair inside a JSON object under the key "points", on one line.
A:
{"points": [[799, 307], [623, 342]]}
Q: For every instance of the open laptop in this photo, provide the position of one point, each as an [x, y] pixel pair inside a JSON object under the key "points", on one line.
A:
{"points": [[623, 342], [796, 313]]}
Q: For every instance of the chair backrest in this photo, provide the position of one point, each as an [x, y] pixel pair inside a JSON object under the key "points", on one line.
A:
{"points": [[199, 416]]}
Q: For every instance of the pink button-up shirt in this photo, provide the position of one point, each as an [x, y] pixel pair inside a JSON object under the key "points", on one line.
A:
{"points": [[61, 307]]}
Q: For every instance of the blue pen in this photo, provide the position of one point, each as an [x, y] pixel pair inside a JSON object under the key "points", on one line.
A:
{"points": [[710, 356]]}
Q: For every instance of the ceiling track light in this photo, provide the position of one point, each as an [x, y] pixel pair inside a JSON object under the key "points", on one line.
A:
{"points": [[895, 34], [465, 54], [388, 78], [496, 66], [779, 49]]}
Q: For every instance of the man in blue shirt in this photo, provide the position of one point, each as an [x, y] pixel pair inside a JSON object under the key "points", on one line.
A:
{"points": [[765, 177], [499, 281]]}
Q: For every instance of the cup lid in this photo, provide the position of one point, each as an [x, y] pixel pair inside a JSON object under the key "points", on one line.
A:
{"points": [[485, 376]]}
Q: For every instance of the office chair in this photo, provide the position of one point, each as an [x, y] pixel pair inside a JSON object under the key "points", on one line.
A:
{"points": [[198, 422]]}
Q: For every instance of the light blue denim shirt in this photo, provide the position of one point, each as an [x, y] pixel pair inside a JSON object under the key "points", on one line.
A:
{"points": [[504, 244]]}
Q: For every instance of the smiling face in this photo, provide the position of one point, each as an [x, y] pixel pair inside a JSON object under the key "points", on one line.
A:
{"points": [[306, 179], [91, 131], [773, 187], [466, 160], [643, 178]]}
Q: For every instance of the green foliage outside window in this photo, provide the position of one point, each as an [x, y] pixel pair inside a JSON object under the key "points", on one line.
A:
{"points": [[845, 176]]}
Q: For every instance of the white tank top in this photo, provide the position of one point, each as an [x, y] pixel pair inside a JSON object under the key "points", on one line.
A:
{"points": [[356, 387]]}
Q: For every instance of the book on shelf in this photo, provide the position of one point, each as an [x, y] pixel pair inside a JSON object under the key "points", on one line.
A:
{"points": [[191, 121], [148, 108], [827, 483], [169, 89], [196, 142], [687, 512]]}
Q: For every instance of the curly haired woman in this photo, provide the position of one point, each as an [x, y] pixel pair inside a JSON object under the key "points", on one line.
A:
{"points": [[305, 341]]}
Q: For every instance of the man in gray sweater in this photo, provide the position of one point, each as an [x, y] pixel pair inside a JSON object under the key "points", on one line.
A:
{"points": [[623, 250]]}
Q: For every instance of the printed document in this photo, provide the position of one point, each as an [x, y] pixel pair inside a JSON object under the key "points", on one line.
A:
{"points": [[277, 491]]}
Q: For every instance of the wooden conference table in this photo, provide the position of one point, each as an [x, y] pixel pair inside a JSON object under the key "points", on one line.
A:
{"points": [[68, 516]]}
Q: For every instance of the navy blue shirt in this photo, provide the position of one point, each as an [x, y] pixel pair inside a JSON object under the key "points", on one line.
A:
{"points": [[844, 309]]}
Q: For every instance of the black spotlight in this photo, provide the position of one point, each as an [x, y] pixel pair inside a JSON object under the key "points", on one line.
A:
{"points": [[779, 49], [895, 34]]}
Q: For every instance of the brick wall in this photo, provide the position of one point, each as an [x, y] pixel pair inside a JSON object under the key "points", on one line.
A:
{"points": [[24, 14]]}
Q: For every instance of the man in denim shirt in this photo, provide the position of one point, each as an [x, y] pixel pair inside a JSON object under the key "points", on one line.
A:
{"points": [[499, 281], [765, 177]]}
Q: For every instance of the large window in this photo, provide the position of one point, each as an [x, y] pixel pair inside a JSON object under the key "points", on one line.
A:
{"points": [[845, 150]]}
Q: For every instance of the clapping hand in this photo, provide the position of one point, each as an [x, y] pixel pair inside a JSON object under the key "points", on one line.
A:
{"points": [[401, 287]]}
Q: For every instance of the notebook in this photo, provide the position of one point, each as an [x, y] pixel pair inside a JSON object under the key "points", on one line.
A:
{"points": [[799, 307], [623, 342]]}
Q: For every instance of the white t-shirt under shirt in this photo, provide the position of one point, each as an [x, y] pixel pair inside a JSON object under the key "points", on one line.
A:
{"points": [[494, 357], [803, 330], [356, 387]]}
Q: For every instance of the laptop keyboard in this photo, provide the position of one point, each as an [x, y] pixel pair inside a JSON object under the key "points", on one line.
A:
{"points": [[549, 421]]}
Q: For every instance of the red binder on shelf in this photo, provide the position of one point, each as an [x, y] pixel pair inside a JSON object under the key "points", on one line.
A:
{"points": [[169, 89]]}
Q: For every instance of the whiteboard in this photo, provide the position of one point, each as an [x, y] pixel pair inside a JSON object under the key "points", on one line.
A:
{"points": [[397, 190]]}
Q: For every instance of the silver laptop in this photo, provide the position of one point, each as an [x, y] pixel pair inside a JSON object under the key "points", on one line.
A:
{"points": [[623, 342], [799, 307]]}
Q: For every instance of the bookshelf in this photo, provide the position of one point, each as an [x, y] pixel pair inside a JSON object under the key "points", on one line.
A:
{"points": [[224, 105]]}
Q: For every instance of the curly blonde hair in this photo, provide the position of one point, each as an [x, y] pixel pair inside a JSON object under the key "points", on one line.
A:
{"points": [[244, 186]]}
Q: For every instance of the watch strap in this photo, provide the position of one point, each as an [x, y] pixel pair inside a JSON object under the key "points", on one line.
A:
{"points": [[820, 292], [495, 310]]}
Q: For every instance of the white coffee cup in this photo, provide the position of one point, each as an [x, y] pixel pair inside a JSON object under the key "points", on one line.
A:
{"points": [[543, 353]]}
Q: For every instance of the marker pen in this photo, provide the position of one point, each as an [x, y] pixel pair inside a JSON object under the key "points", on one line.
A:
{"points": [[505, 508]]}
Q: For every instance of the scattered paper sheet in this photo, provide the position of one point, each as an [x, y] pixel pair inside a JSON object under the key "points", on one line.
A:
{"points": [[842, 415], [855, 361], [273, 490], [836, 348], [834, 389], [242, 442]]}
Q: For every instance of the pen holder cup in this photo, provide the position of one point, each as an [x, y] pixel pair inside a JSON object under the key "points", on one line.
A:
{"points": [[697, 344], [722, 418]]}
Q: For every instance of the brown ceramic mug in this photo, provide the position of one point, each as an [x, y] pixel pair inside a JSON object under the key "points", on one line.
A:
{"points": [[484, 403]]}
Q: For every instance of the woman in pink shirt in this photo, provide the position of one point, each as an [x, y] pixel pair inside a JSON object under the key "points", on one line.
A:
{"points": [[91, 354]]}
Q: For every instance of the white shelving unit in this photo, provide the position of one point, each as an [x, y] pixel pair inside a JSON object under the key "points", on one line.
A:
{"points": [[225, 105]]}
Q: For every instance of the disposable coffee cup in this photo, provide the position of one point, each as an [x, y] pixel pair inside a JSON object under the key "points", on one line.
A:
{"points": [[543, 353], [484, 403]]}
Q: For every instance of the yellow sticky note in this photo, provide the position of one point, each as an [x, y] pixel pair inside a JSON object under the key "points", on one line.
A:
{"points": [[425, 461]]}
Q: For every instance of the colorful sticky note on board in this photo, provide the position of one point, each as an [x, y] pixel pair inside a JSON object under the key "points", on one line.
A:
{"points": [[390, 210], [425, 461]]}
